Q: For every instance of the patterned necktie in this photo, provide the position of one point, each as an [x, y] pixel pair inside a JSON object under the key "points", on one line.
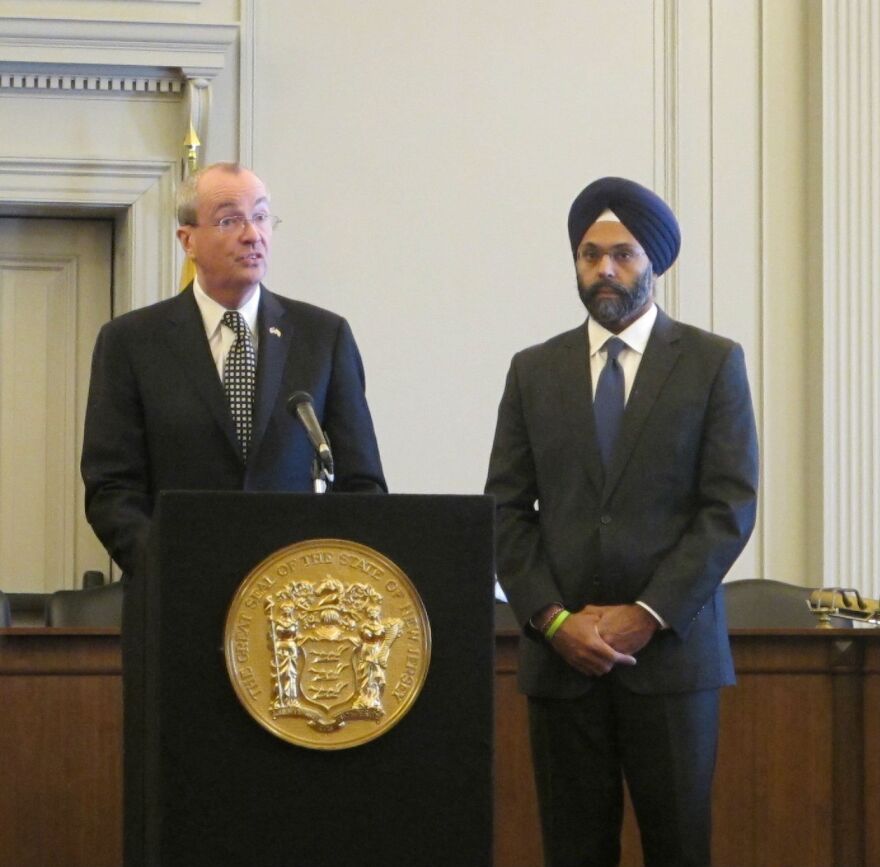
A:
{"points": [[609, 400], [240, 377]]}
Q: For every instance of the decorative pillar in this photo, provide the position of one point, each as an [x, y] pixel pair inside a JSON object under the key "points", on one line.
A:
{"points": [[851, 294], [198, 104]]}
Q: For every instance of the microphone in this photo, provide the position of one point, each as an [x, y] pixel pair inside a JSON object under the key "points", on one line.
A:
{"points": [[301, 405]]}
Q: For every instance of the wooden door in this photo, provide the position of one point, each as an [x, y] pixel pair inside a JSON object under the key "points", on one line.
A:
{"points": [[55, 292]]}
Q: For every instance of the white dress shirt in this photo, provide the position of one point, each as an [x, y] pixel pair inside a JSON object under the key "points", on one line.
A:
{"points": [[635, 336], [220, 336]]}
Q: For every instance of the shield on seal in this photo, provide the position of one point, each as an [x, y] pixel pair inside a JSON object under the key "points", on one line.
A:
{"points": [[328, 676]]}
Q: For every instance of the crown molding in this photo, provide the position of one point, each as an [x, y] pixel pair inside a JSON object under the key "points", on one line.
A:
{"points": [[198, 50], [48, 78]]}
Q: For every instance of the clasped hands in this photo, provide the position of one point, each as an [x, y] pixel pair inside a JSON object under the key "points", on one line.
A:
{"points": [[599, 637]]}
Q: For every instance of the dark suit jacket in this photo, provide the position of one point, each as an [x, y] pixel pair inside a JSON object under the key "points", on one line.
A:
{"points": [[158, 419], [663, 526]]}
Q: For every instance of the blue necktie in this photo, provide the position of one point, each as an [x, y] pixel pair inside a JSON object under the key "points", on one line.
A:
{"points": [[608, 403]]}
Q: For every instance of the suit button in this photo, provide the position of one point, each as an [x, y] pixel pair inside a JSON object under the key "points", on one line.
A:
{"points": [[605, 519]]}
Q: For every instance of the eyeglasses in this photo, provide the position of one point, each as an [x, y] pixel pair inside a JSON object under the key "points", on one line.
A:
{"points": [[261, 222]]}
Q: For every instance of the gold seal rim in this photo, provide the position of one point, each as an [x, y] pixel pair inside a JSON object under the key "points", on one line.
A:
{"points": [[241, 593]]}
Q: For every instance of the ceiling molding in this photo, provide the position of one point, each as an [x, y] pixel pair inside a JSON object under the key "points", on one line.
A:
{"points": [[139, 47], [48, 81]]}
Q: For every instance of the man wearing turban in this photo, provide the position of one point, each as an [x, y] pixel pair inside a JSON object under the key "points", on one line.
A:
{"points": [[625, 471]]}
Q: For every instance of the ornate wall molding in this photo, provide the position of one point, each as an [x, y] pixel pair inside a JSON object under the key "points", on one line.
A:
{"points": [[851, 300], [198, 50], [141, 193], [126, 60], [199, 107], [48, 81], [666, 121], [247, 78], [72, 181]]}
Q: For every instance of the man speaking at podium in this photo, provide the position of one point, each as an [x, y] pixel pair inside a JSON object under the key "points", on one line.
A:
{"points": [[190, 393], [624, 471]]}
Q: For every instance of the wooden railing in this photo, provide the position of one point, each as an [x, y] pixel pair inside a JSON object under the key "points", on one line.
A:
{"points": [[798, 779], [798, 774]]}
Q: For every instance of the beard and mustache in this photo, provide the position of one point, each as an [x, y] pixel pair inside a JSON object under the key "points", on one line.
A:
{"points": [[625, 300]]}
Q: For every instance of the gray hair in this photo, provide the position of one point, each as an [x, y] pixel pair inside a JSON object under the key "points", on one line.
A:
{"points": [[188, 195]]}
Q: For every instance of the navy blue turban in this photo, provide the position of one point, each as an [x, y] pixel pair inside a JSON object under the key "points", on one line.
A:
{"points": [[643, 212]]}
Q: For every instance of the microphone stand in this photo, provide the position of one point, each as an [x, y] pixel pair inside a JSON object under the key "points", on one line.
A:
{"points": [[299, 404], [322, 472], [322, 479]]}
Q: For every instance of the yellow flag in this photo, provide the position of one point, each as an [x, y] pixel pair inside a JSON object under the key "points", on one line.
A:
{"points": [[187, 273]]}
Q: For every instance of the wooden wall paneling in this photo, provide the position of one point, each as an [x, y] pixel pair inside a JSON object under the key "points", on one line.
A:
{"points": [[630, 842], [846, 658], [870, 818], [733, 802], [517, 825], [798, 779], [61, 743], [792, 785], [517, 831]]}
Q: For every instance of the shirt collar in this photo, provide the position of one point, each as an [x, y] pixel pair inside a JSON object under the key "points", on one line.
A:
{"points": [[212, 312], [635, 335]]}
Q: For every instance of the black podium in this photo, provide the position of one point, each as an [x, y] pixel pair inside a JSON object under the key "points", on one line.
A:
{"points": [[206, 784]]}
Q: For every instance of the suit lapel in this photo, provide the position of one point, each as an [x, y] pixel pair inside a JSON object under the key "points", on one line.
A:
{"points": [[572, 375], [186, 337], [661, 355], [275, 334]]}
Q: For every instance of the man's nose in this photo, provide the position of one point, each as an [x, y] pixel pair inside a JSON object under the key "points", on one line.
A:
{"points": [[605, 266], [249, 232]]}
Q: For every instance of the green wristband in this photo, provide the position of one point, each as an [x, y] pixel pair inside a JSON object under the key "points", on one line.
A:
{"points": [[555, 623]]}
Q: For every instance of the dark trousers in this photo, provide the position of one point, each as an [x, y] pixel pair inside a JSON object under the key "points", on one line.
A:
{"points": [[664, 745]]}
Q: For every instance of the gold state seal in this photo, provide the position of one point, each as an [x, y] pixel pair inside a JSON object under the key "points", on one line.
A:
{"points": [[327, 644]]}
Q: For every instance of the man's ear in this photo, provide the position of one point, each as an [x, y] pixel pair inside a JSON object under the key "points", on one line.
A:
{"points": [[184, 235]]}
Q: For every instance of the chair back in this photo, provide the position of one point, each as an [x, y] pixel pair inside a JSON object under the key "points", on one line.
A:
{"points": [[762, 603], [5, 613], [27, 609], [93, 578], [94, 606]]}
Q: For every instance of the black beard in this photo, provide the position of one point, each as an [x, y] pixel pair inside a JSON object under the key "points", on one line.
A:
{"points": [[627, 300]]}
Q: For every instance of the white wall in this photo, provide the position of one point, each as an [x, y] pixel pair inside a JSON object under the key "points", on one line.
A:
{"points": [[423, 157]]}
